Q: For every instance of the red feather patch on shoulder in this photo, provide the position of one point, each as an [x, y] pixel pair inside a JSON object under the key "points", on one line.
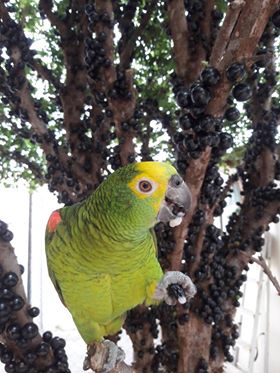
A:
{"points": [[53, 221]]}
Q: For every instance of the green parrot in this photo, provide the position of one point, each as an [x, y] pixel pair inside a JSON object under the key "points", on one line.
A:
{"points": [[101, 253]]}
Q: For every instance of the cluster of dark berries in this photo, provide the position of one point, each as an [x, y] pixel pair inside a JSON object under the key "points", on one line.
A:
{"points": [[276, 19], [196, 98], [189, 247], [166, 355], [136, 318], [165, 243], [262, 196], [211, 245], [195, 10], [167, 317], [32, 356], [21, 353], [202, 366], [225, 339], [224, 287], [236, 74], [5, 233], [197, 128], [95, 49], [263, 137], [137, 321], [212, 185]]}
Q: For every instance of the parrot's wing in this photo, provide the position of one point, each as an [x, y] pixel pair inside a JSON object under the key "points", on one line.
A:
{"points": [[153, 233], [56, 285], [53, 221]]}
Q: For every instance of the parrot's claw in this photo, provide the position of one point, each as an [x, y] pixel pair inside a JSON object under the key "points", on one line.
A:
{"points": [[170, 278], [104, 357], [115, 355]]}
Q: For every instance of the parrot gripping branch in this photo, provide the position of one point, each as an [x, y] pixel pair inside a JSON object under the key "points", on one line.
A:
{"points": [[173, 287], [106, 357], [177, 292], [113, 222]]}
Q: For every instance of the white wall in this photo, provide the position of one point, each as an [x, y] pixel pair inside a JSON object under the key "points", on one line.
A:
{"points": [[274, 304]]}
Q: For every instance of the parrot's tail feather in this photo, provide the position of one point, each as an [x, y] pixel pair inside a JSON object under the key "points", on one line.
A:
{"points": [[106, 357]]}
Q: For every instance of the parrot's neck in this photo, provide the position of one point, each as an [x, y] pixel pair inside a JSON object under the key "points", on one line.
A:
{"points": [[119, 220], [115, 237]]}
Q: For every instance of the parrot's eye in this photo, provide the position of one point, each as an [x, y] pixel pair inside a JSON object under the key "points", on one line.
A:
{"points": [[145, 186]]}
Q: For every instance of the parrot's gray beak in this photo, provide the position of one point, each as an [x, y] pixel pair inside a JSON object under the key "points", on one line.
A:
{"points": [[176, 203]]}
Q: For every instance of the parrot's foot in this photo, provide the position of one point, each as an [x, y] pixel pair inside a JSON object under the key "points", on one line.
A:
{"points": [[115, 355], [105, 357], [172, 278]]}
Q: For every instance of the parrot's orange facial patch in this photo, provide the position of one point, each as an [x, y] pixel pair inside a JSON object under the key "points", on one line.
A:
{"points": [[53, 221]]}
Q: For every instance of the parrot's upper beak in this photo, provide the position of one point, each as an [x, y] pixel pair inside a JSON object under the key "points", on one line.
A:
{"points": [[176, 203]]}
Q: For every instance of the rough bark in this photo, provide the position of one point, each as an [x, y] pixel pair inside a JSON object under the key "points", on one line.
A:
{"points": [[179, 33], [199, 342], [9, 263]]}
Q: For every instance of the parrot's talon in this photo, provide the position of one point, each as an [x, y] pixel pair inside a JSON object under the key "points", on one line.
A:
{"points": [[114, 356], [120, 355], [170, 278], [103, 357]]}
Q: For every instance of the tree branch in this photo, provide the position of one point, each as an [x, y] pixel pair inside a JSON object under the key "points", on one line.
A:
{"points": [[206, 26], [42, 70], [225, 32], [231, 180], [97, 356], [244, 37], [127, 51], [55, 20], [124, 18], [123, 111], [9, 263], [261, 262], [21, 159], [196, 170], [46, 74], [194, 177], [179, 33]]}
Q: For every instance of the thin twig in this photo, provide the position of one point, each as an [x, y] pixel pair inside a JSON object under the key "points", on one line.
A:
{"points": [[53, 17], [261, 262], [21, 159], [46, 74]]}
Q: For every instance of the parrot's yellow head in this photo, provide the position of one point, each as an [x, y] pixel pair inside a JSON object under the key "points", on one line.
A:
{"points": [[144, 193], [151, 182]]}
